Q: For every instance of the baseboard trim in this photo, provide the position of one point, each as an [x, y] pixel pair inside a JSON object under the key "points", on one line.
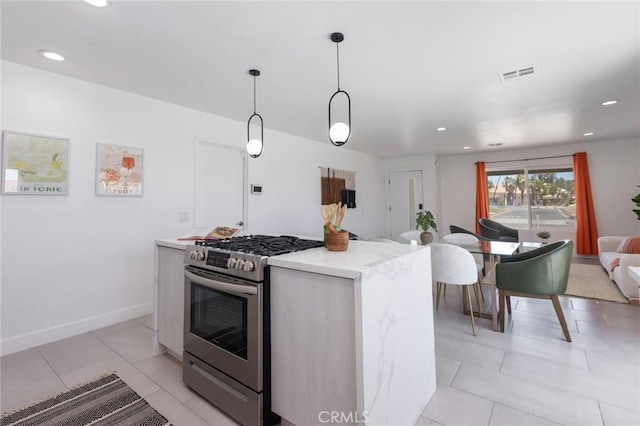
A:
{"points": [[52, 334]]}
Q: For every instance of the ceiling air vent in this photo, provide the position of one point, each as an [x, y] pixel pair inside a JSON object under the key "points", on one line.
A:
{"points": [[525, 71], [516, 74], [509, 75]]}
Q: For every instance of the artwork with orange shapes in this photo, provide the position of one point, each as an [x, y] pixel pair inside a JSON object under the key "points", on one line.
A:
{"points": [[118, 170]]}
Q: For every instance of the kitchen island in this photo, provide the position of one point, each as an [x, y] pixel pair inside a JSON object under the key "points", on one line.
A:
{"points": [[352, 337], [168, 296]]}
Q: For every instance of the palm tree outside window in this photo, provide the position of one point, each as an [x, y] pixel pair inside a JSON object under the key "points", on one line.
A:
{"points": [[532, 198]]}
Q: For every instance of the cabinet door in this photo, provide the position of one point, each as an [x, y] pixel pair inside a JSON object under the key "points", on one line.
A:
{"points": [[171, 298]]}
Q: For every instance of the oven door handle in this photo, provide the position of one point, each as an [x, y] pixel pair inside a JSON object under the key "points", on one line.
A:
{"points": [[228, 287]]}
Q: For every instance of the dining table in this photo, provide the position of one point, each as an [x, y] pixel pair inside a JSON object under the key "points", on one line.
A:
{"points": [[412, 236], [494, 250]]}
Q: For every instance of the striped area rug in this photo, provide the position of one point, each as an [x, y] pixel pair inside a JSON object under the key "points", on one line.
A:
{"points": [[104, 401]]}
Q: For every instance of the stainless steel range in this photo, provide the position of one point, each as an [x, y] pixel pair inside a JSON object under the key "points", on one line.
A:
{"points": [[227, 357]]}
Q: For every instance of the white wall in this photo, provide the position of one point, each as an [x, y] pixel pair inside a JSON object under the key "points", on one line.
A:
{"points": [[78, 262], [613, 169], [449, 182], [290, 202]]}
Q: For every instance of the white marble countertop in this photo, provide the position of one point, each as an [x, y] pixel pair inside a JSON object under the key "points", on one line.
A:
{"points": [[348, 264], [360, 256], [173, 243]]}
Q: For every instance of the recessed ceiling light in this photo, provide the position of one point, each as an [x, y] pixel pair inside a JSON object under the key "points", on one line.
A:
{"points": [[589, 134], [466, 147], [51, 55], [98, 3], [610, 102], [441, 129]]}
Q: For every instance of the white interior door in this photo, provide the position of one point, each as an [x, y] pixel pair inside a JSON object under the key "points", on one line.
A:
{"points": [[220, 190], [405, 200]]}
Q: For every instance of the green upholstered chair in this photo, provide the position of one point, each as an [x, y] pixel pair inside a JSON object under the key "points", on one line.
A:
{"points": [[542, 273], [495, 231], [458, 230]]}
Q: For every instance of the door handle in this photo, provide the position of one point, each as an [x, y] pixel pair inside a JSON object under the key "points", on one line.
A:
{"points": [[238, 289], [240, 223]]}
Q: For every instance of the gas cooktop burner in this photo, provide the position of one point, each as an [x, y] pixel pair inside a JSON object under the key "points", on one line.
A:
{"points": [[262, 245]]}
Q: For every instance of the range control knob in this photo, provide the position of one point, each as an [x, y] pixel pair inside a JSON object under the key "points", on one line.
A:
{"points": [[240, 264], [231, 262], [249, 266], [193, 254], [200, 255]]}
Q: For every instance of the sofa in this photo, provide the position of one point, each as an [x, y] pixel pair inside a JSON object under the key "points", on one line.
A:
{"points": [[607, 253]]}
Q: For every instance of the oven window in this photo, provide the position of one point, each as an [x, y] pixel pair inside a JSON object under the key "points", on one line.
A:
{"points": [[219, 318]]}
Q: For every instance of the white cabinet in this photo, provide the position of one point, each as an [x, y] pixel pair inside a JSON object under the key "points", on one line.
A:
{"points": [[170, 299]]}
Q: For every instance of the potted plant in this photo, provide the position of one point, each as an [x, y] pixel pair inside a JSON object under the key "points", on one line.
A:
{"points": [[425, 221], [544, 236]]}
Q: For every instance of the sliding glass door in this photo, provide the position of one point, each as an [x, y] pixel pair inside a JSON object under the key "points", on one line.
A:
{"points": [[533, 198]]}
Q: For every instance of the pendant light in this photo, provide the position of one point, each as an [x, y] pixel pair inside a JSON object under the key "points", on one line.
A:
{"points": [[339, 132], [254, 145]]}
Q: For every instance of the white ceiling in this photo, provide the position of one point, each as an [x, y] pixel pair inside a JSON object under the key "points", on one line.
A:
{"points": [[409, 67]]}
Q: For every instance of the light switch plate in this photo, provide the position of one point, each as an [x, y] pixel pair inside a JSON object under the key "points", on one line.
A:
{"points": [[183, 217]]}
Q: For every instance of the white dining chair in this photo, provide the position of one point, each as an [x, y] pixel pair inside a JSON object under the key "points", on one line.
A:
{"points": [[460, 238], [454, 265]]}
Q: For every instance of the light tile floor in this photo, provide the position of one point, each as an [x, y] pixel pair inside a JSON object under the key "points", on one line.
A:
{"points": [[530, 375], [527, 376], [124, 348]]}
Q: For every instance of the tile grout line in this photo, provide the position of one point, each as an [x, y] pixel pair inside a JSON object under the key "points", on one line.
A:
{"points": [[37, 348], [159, 385], [515, 377], [493, 406]]}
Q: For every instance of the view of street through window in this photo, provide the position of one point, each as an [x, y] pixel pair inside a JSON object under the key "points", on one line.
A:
{"points": [[542, 217], [536, 199]]}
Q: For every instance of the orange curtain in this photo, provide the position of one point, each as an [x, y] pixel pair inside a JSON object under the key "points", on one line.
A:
{"points": [[482, 203], [586, 229]]}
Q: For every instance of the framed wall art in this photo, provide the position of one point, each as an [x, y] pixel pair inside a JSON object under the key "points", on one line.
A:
{"points": [[118, 171], [34, 164]]}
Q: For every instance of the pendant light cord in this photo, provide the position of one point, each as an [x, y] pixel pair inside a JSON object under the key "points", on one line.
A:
{"points": [[338, 62], [254, 94]]}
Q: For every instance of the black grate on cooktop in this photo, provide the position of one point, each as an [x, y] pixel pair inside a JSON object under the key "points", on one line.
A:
{"points": [[262, 245]]}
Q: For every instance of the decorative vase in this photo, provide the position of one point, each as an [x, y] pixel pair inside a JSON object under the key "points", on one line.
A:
{"points": [[326, 231], [337, 241], [426, 237]]}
